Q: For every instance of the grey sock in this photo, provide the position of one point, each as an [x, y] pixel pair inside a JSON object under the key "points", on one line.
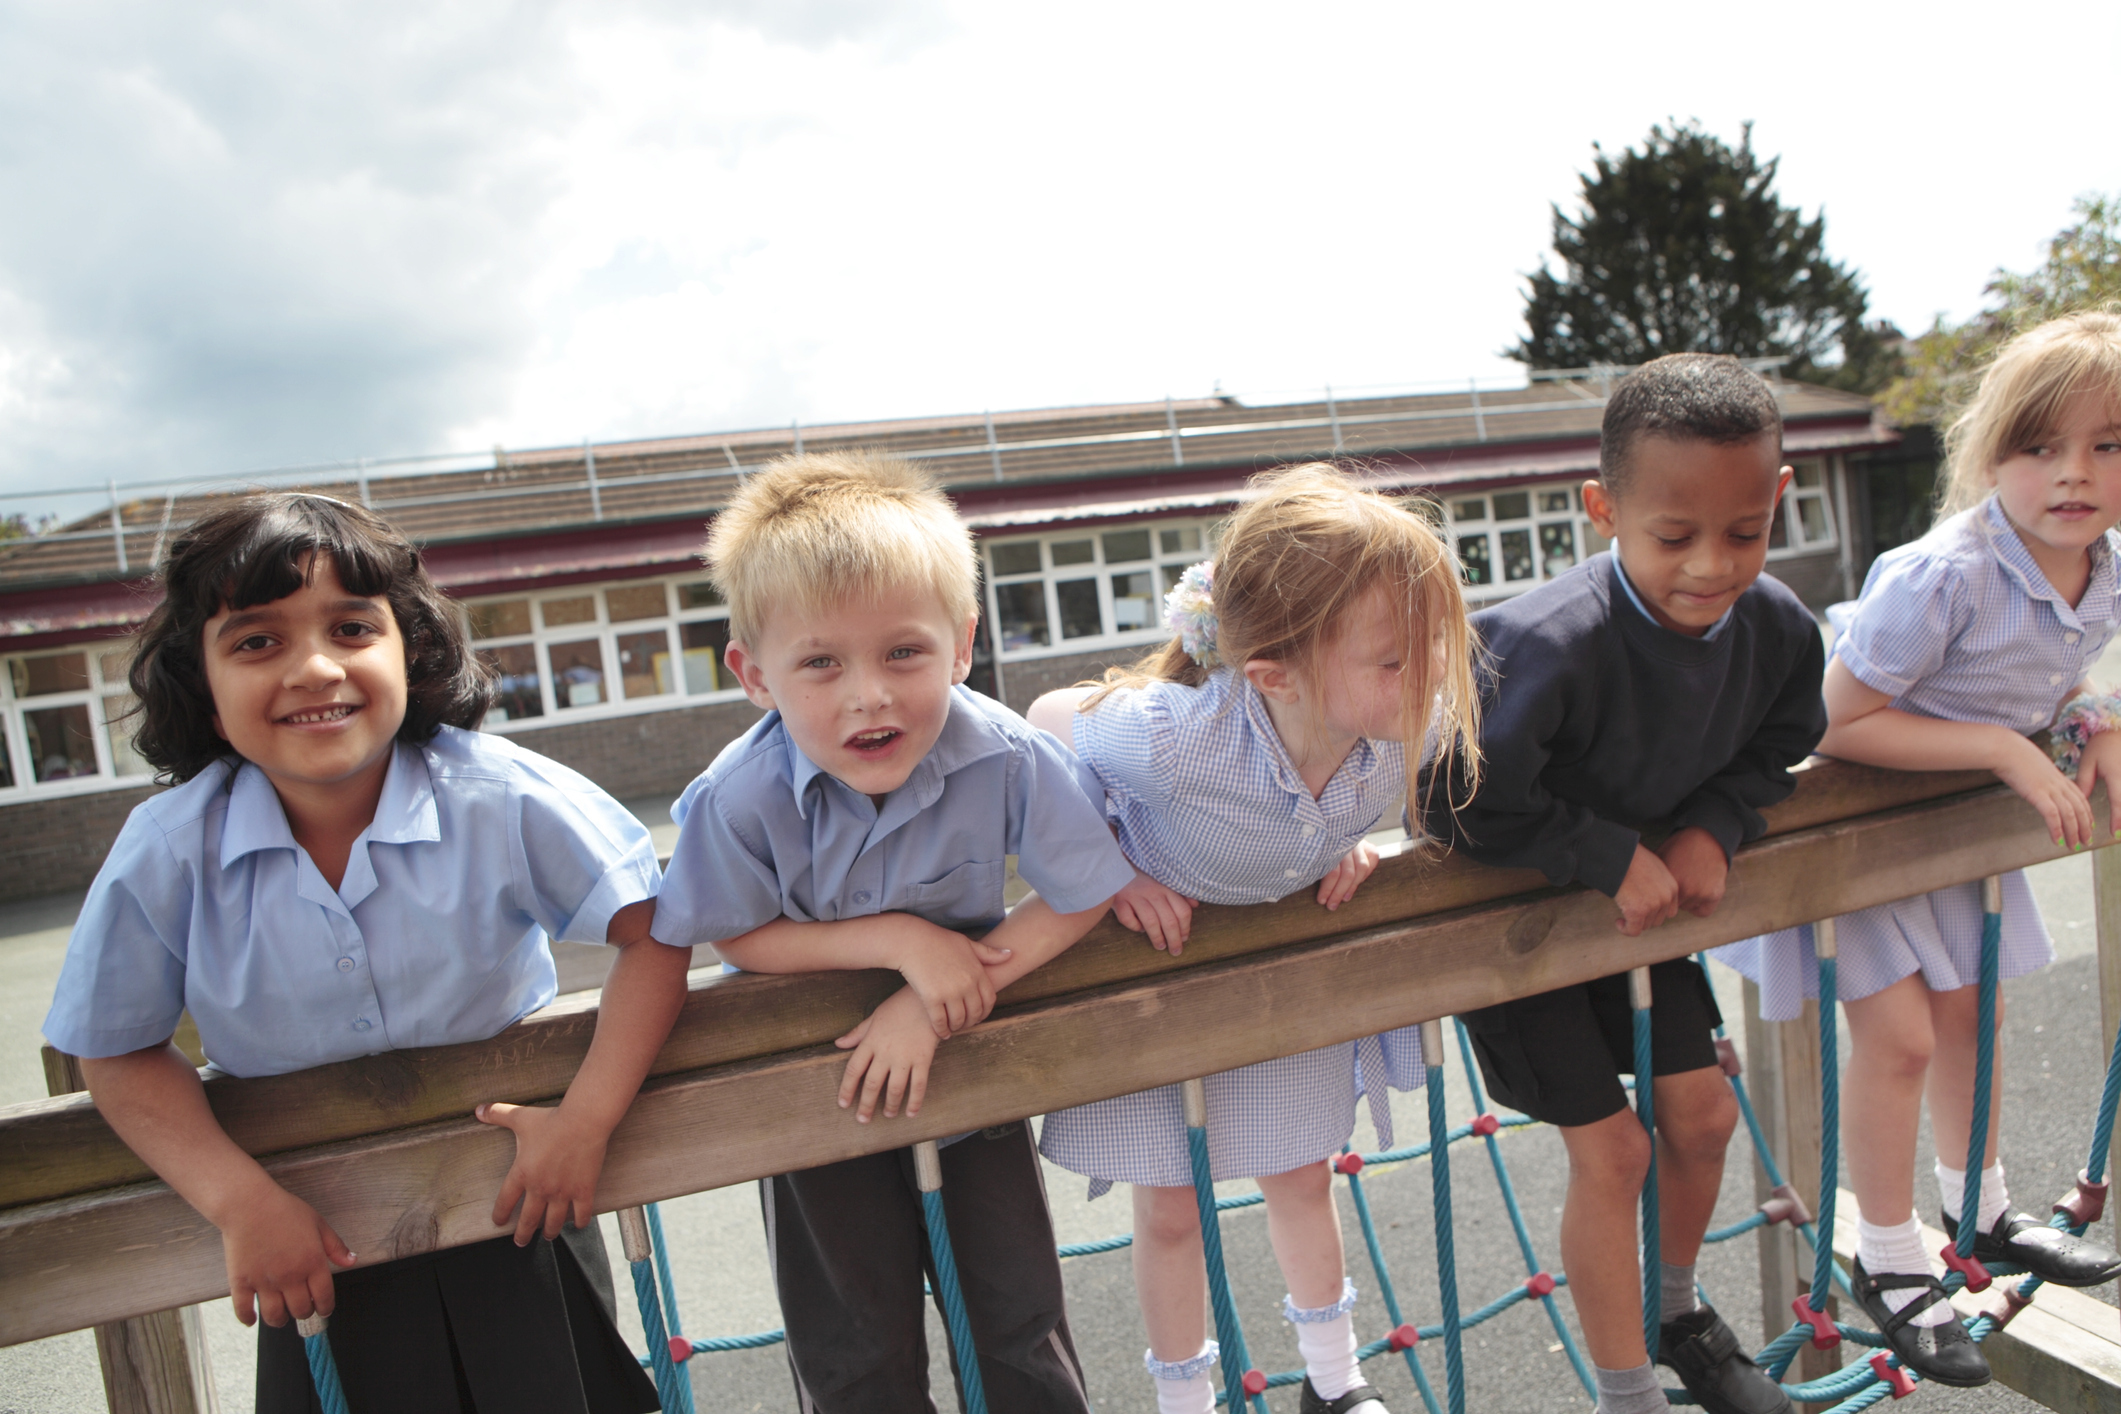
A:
{"points": [[1636, 1391], [1678, 1284]]}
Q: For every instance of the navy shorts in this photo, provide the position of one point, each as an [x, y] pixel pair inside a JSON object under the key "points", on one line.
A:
{"points": [[1559, 1056]]}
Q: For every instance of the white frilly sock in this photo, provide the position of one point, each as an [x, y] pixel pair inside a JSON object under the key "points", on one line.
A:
{"points": [[1325, 1337], [1184, 1386], [1995, 1198], [1899, 1249]]}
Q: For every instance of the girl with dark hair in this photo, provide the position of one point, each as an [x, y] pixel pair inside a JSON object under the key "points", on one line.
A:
{"points": [[346, 867]]}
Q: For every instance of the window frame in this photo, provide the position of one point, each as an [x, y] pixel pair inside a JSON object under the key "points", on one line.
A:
{"points": [[1097, 569], [14, 727]]}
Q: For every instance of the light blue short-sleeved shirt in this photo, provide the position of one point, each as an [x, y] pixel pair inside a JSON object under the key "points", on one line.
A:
{"points": [[765, 833], [1962, 625], [479, 852], [1207, 801]]}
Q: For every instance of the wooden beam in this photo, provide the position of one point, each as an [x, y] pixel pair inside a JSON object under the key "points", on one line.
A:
{"points": [[54, 1148], [92, 1257]]}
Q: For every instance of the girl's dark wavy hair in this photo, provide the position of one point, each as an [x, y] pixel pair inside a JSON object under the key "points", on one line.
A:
{"points": [[260, 549]]}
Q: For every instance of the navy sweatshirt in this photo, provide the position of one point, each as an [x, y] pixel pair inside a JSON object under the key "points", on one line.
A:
{"points": [[1599, 724]]}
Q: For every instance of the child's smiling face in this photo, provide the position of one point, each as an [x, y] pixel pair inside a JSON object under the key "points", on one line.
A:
{"points": [[2063, 492], [312, 687], [1691, 523], [863, 688]]}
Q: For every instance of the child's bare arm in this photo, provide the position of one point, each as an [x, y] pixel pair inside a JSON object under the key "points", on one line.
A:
{"points": [[560, 1151], [280, 1253], [1862, 725], [1035, 935], [1051, 713], [946, 969]]}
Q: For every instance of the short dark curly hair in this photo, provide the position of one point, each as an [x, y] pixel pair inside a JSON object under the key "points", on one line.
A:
{"points": [[1687, 397], [262, 548]]}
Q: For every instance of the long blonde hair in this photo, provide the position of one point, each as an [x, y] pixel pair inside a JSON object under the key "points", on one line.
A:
{"points": [[2022, 395], [1305, 549]]}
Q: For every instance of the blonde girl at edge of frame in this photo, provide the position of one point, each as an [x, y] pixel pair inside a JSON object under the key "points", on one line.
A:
{"points": [[1965, 644], [345, 867], [1244, 761]]}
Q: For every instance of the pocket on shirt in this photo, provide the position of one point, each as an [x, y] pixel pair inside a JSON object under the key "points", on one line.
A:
{"points": [[969, 896]]}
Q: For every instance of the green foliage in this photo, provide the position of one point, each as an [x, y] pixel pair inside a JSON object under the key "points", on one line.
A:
{"points": [[2082, 269], [1683, 246]]}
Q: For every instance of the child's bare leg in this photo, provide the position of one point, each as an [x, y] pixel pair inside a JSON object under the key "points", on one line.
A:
{"points": [[1892, 1038], [1696, 1113], [1608, 1161], [1955, 1020], [1170, 1275], [1304, 1227]]}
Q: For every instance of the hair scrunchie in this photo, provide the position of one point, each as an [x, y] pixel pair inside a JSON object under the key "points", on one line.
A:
{"points": [[2083, 717], [1189, 610]]}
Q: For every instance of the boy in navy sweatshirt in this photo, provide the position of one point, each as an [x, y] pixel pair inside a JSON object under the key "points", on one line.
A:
{"points": [[1638, 712]]}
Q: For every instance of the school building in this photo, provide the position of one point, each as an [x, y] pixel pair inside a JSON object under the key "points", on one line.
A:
{"points": [[578, 572]]}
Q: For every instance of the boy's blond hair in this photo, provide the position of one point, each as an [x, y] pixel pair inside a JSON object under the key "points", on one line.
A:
{"points": [[2023, 393], [821, 529]]}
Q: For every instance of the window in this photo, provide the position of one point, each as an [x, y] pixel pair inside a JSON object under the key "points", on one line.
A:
{"points": [[1075, 591], [64, 722], [1508, 541], [642, 645]]}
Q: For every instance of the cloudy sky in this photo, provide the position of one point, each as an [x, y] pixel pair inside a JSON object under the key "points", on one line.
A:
{"points": [[239, 236]]}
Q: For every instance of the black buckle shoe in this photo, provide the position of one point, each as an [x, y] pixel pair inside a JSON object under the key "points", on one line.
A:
{"points": [[1946, 1353], [1723, 1379], [2048, 1253], [1359, 1400]]}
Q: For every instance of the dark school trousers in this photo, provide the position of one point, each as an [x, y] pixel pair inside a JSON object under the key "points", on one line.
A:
{"points": [[849, 1244]]}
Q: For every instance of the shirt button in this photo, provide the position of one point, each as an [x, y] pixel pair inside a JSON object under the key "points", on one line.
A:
{"points": [[361, 1024], [347, 964], [2054, 679], [861, 896], [1310, 830], [1291, 874], [2071, 637]]}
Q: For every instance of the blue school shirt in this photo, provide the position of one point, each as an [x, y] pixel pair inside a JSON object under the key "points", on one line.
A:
{"points": [[479, 851], [1207, 801], [765, 833], [1962, 625]]}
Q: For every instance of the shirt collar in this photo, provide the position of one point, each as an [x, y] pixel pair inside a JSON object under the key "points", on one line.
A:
{"points": [[968, 735], [1357, 766], [2008, 547], [1620, 573], [405, 814]]}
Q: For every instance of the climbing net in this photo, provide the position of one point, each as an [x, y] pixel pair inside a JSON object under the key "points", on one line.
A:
{"points": [[1855, 1387]]}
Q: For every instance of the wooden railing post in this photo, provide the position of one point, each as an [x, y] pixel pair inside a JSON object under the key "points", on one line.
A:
{"points": [[152, 1364], [1782, 1067]]}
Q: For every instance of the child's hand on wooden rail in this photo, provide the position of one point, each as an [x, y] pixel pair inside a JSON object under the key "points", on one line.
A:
{"points": [[948, 972], [554, 1176], [893, 1048], [281, 1254], [1648, 895], [1341, 881], [1698, 867], [1145, 906]]}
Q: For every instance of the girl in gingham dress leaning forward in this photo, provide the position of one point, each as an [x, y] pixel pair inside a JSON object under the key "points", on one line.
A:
{"points": [[1244, 761], [1964, 645]]}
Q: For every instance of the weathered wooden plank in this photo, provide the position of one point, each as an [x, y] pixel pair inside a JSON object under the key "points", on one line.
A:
{"points": [[73, 1261], [48, 1152]]}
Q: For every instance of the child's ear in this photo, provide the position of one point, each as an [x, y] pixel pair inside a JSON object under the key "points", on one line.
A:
{"points": [[739, 660], [1272, 679], [1782, 484], [1598, 505], [961, 663]]}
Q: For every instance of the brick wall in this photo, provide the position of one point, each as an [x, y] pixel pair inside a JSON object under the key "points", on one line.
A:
{"points": [[650, 754], [1025, 682], [51, 846], [1816, 579]]}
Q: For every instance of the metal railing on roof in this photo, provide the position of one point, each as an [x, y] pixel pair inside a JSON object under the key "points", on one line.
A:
{"points": [[370, 478]]}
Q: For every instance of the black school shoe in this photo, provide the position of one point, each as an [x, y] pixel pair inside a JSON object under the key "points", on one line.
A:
{"points": [[1359, 1400], [1946, 1353], [2048, 1253], [1723, 1379]]}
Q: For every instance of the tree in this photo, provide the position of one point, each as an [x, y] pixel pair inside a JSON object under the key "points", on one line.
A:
{"points": [[1683, 246], [2082, 269]]}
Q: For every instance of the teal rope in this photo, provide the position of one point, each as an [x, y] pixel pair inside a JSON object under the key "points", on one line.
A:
{"points": [[1454, 1362], [1829, 1131], [1229, 1334], [670, 1381], [954, 1317], [1984, 1076], [1386, 1290], [324, 1373], [673, 1326], [1652, 1246]]}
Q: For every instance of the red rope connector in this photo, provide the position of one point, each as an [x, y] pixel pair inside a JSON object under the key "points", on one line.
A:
{"points": [[1255, 1382], [1484, 1125], [1824, 1336], [1403, 1337], [2013, 1303], [1977, 1277], [1727, 1057], [2086, 1202], [1539, 1284], [680, 1349], [1882, 1366], [1347, 1163], [1786, 1207]]}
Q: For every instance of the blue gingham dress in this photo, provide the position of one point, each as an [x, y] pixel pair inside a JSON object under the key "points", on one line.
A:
{"points": [[1960, 625], [1206, 801]]}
